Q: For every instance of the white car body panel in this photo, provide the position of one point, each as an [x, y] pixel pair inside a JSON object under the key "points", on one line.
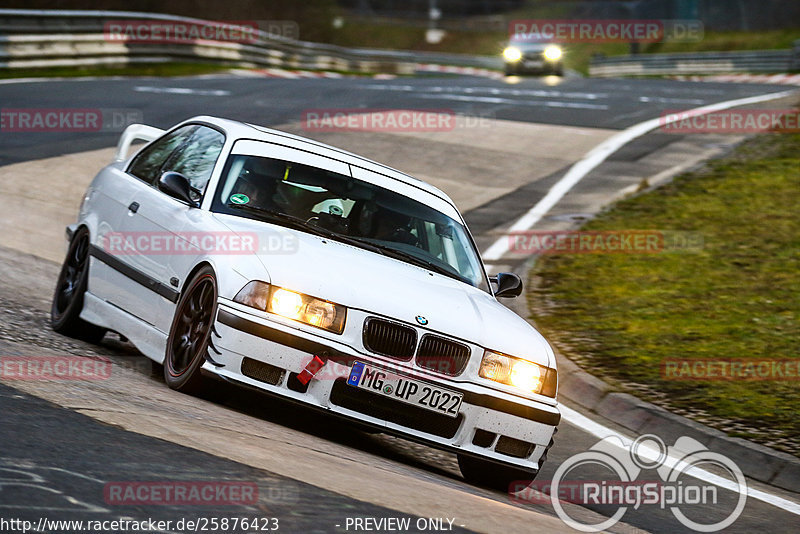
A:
{"points": [[367, 283]]}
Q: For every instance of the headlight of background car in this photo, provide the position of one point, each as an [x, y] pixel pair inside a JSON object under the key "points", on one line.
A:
{"points": [[522, 374], [553, 53], [512, 54], [293, 305]]}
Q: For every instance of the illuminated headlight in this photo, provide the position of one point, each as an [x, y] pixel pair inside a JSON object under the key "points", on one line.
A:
{"points": [[293, 305], [553, 53], [522, 374], [512, 54]]}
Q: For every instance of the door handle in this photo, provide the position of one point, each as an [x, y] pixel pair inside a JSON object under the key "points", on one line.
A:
{"points": [[134, 207]]}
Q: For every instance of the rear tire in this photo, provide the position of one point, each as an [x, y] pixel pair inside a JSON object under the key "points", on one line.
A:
{"points": [[494, 476], [189, 334], [70, 289]]}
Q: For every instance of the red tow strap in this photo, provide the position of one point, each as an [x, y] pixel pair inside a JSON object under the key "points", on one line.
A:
{"points": [[311, 369]]}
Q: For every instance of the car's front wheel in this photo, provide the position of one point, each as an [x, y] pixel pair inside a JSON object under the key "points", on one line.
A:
{"points": [[70, 288], [491, 475], [190, 331]]}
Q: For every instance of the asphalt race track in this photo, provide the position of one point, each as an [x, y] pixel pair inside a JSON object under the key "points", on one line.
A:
{"points": [[62, 443]]}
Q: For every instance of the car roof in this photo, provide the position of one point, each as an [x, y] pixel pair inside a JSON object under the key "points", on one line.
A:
{"points": [[519, 40], [243, 130]]}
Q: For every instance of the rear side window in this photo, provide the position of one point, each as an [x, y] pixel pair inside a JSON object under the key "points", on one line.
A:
{"points": [[192, 151]]}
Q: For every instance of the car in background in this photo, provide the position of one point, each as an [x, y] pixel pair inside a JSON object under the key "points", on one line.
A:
{"points": [[360, 291], [523, 55]]}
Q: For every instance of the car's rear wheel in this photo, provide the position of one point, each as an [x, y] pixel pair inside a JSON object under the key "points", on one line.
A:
{"points": [[190, 331], [70, 289], [491, 475]]}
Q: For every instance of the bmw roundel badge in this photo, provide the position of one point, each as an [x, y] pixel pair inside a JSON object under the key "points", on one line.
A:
{"points": [[421, 320]]}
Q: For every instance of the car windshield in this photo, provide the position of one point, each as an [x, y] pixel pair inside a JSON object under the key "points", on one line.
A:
{"points": [[326, 203], [528, 39]]}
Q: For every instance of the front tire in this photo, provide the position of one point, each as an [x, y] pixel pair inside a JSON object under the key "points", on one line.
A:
{"points": [[70, 289], [491, 475], [190, 331]]}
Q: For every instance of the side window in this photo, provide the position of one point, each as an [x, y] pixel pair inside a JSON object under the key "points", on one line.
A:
{"points": [[196, 156], [147, 164]]}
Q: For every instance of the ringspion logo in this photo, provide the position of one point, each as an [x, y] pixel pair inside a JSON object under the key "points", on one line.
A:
{"points": [[676, 489]]}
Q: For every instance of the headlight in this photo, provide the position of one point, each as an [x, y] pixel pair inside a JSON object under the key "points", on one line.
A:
{"points": [[553, 53], [512, 54], [522, 374], [293, 305]]}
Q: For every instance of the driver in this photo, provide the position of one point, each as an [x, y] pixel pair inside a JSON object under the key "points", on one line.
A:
{"points": [[257, 182], [247, 186], [390, 225]]}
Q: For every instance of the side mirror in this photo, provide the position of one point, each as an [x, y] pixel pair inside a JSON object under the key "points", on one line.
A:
{"points": [[177, 186], [509, 285]]}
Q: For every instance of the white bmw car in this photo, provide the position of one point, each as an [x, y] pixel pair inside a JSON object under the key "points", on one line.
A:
{"points": [[265, 259]]}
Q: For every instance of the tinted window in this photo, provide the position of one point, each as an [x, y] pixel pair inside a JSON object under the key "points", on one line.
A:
{"points": [[147, 164], [196, 156], [361, 212]]}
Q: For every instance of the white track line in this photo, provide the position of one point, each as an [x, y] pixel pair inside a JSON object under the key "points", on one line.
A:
{"points": [[601, 431], [576, 173], [595, 157]]}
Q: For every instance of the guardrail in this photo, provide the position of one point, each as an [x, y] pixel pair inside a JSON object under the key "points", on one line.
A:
{"points": [[776, 61], [59, 38]]}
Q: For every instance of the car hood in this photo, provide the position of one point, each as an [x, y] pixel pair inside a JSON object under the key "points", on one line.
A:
{"points": [[368, 281]]}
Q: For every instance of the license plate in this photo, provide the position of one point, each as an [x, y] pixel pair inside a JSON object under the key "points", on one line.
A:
{"points": [[534, 64], [404, 389]]}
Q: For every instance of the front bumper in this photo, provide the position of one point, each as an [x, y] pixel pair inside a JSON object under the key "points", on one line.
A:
{"points": [[535, 63], [268, 355]]}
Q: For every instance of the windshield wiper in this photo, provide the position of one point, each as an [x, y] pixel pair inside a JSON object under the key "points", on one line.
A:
{"points": [[412, 258], [284, 218], [301, 224]]}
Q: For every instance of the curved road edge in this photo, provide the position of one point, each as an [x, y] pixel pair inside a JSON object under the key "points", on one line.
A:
{"points": [[761, 463]]}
